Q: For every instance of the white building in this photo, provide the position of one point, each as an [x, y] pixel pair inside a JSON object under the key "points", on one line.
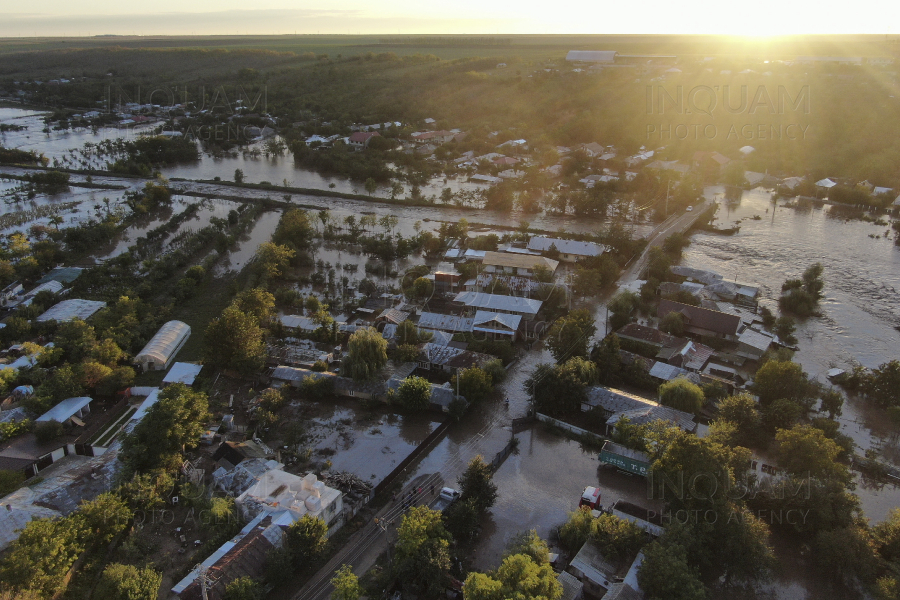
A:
{"points": [[163, 347]]}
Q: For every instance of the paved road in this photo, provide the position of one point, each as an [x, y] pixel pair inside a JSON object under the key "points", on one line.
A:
{"points": [[672, 225]]}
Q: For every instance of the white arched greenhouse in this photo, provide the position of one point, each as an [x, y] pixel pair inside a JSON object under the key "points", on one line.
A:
{"points": [[157, 355]]}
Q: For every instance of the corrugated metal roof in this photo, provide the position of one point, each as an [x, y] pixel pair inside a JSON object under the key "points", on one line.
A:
{"points": [[494, 302], [486, 321], [518, 261], [575, 247], [65, 409], [68, 310], [443, 322]]}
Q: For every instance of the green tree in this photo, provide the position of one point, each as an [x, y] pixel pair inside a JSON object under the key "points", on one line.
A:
{"points": [[257, 302], [665, 574], [366, 354], [776, 380], [47, 431], [577, 530], [570, 335], [784, 328], [805, 449], [519, 577], [741, 410], [474, 384], [76, 338], [295, 230], [672, 323], [422, 288], [273, 259], [422, 552], [622, 306], [609, 362], [462, 520], [346, 584], [556, 389], [530, 544], [846, 555], [408, 333], [176, 421], [238, 176], [477, 483], [616, 538], [104, 517], [42, 555], [414, 393], [832, 403], [883, 385], [371, 186], [235, 341], [305, 540], [128, 582], [682, 395]]}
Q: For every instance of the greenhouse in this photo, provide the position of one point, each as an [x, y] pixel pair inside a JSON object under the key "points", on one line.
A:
{"points": [[159, 351]]}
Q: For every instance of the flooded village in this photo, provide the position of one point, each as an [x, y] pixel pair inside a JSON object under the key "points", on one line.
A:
{"points": [[364, 347]]}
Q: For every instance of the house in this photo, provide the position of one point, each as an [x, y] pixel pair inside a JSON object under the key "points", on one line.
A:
{"points": [[572, 588], [68, 310], [501, 326], [569, 250], [615, 405], [433, 137], [360, 139], [516, 264], [231, 454], [244, 555], [299, 323], [434, 358], [474, 301], [163, 346], [448, 323], [446, 279], [69, 410], [593, 149], [277, 491], [753, 344], [653, 338], [825, 184], [10, 293], [478, 178], [392, 315], [702, 321], [595, 572]]}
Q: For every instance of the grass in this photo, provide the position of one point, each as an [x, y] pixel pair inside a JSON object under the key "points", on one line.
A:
{"points": [[103, 438]]}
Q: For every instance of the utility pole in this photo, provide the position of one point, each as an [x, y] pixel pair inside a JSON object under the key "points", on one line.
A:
{"points": [[382, 525], [668, 186]]}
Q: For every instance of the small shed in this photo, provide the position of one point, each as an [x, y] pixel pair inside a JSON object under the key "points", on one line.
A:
{"points": [[182, 372], [163, 347], [71, 408]]}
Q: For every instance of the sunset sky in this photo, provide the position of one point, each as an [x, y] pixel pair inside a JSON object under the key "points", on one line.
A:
{"points": [[204, 17]]}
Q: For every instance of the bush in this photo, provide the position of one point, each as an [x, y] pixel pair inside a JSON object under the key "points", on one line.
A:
{"points": [[47, 431]]}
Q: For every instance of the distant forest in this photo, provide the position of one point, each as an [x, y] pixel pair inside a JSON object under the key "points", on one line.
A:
{"points": [[850, 118]]}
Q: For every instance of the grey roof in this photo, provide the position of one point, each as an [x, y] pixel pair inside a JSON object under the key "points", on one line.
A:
{"points": [[294, 374], [68, 310], [593, 565], [641, 416], [298, 322], [62, 275], [488, 321], [700, 275], [182, 372], [392, 315], [429, 320], [755, 339], [572, 588], [65, 409], [615, 401], [543, 244], [665, 372], [478, 300]]}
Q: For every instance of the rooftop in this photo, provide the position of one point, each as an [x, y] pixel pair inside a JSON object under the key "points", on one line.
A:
{"points": [[65, 409], [543, 244], [519, 261], [68, 310]]}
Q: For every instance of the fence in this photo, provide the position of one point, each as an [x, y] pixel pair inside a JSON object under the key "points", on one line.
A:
{"points": [[400, 468], [571, 428]]}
